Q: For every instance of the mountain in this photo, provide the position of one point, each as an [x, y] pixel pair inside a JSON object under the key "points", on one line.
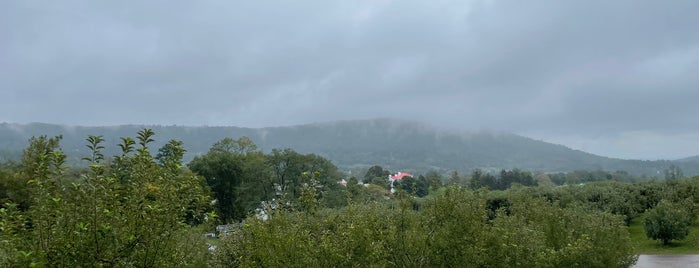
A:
{"points": [[397, 145], [690, 159]]}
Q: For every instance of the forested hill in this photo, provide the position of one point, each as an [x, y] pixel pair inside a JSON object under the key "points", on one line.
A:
{"points": [[690, 159], [397, 145]]}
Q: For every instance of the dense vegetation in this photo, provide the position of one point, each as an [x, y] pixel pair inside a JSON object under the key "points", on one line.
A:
{"points": [[146, 209], [453, 229], [135, 210], [243, 178]]}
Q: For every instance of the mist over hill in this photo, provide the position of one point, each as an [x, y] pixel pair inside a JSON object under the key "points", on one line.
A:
{"points": [[690, 159], [394, 144]]}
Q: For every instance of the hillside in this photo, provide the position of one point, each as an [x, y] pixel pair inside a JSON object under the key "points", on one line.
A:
{"points": [[689, 159], [397, 145]]}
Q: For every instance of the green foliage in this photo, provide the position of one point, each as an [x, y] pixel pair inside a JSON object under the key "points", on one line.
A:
{"points": [[448, 230], [242, 145], [615, 197], [572, 237], [381, 182], [645, 245], [132, 212], [13, 187], [455, 179], [242, 178], [94, 144], [585, 176], [673, 172], [434, 180], [668, 221], [288, 166], [359, 193], [170, 155], [137, 210], [419, 187], [308, 200], [237, 175], [12, 241], [375, 172], [506, 179]]}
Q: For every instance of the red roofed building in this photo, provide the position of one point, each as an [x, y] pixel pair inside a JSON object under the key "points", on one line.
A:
{"points": [[399, 176], [396, 177]]}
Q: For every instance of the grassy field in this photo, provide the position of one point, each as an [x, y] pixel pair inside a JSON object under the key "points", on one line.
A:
{"points": [[644, 245]]}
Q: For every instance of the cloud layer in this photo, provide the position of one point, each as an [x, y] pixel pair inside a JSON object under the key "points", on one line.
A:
{"points": [[588, 72]]}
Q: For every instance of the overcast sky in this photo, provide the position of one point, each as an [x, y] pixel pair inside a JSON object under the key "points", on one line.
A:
{"points": [[615, 78]]}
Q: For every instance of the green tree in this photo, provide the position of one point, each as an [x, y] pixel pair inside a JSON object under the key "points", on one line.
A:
{"points": [[480, 179], [309, 198], [454, 179], [508, 177], [374, 172], [171, 154], [434, 180], [673, 173], [224, 171], [242, 178], [356, 192], [13, 186], [242, 145], [381, 182], [668, 221], [414, 186], [288, 167]]}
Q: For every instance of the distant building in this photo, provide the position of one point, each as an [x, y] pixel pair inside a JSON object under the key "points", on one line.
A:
{"points": [[399, 176], [396, 177]]}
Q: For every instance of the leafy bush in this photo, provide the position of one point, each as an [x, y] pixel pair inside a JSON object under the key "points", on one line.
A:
{"points": [[668, 221], [131, 212]]}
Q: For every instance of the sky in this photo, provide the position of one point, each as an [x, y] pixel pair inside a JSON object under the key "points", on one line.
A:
{"points": [[614, 78]]}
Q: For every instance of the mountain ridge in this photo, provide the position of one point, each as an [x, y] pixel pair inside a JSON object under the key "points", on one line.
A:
{"points": [[395, 144]]}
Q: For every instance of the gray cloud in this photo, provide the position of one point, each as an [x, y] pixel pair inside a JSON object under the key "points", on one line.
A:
{"points": [[580, 73]]}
